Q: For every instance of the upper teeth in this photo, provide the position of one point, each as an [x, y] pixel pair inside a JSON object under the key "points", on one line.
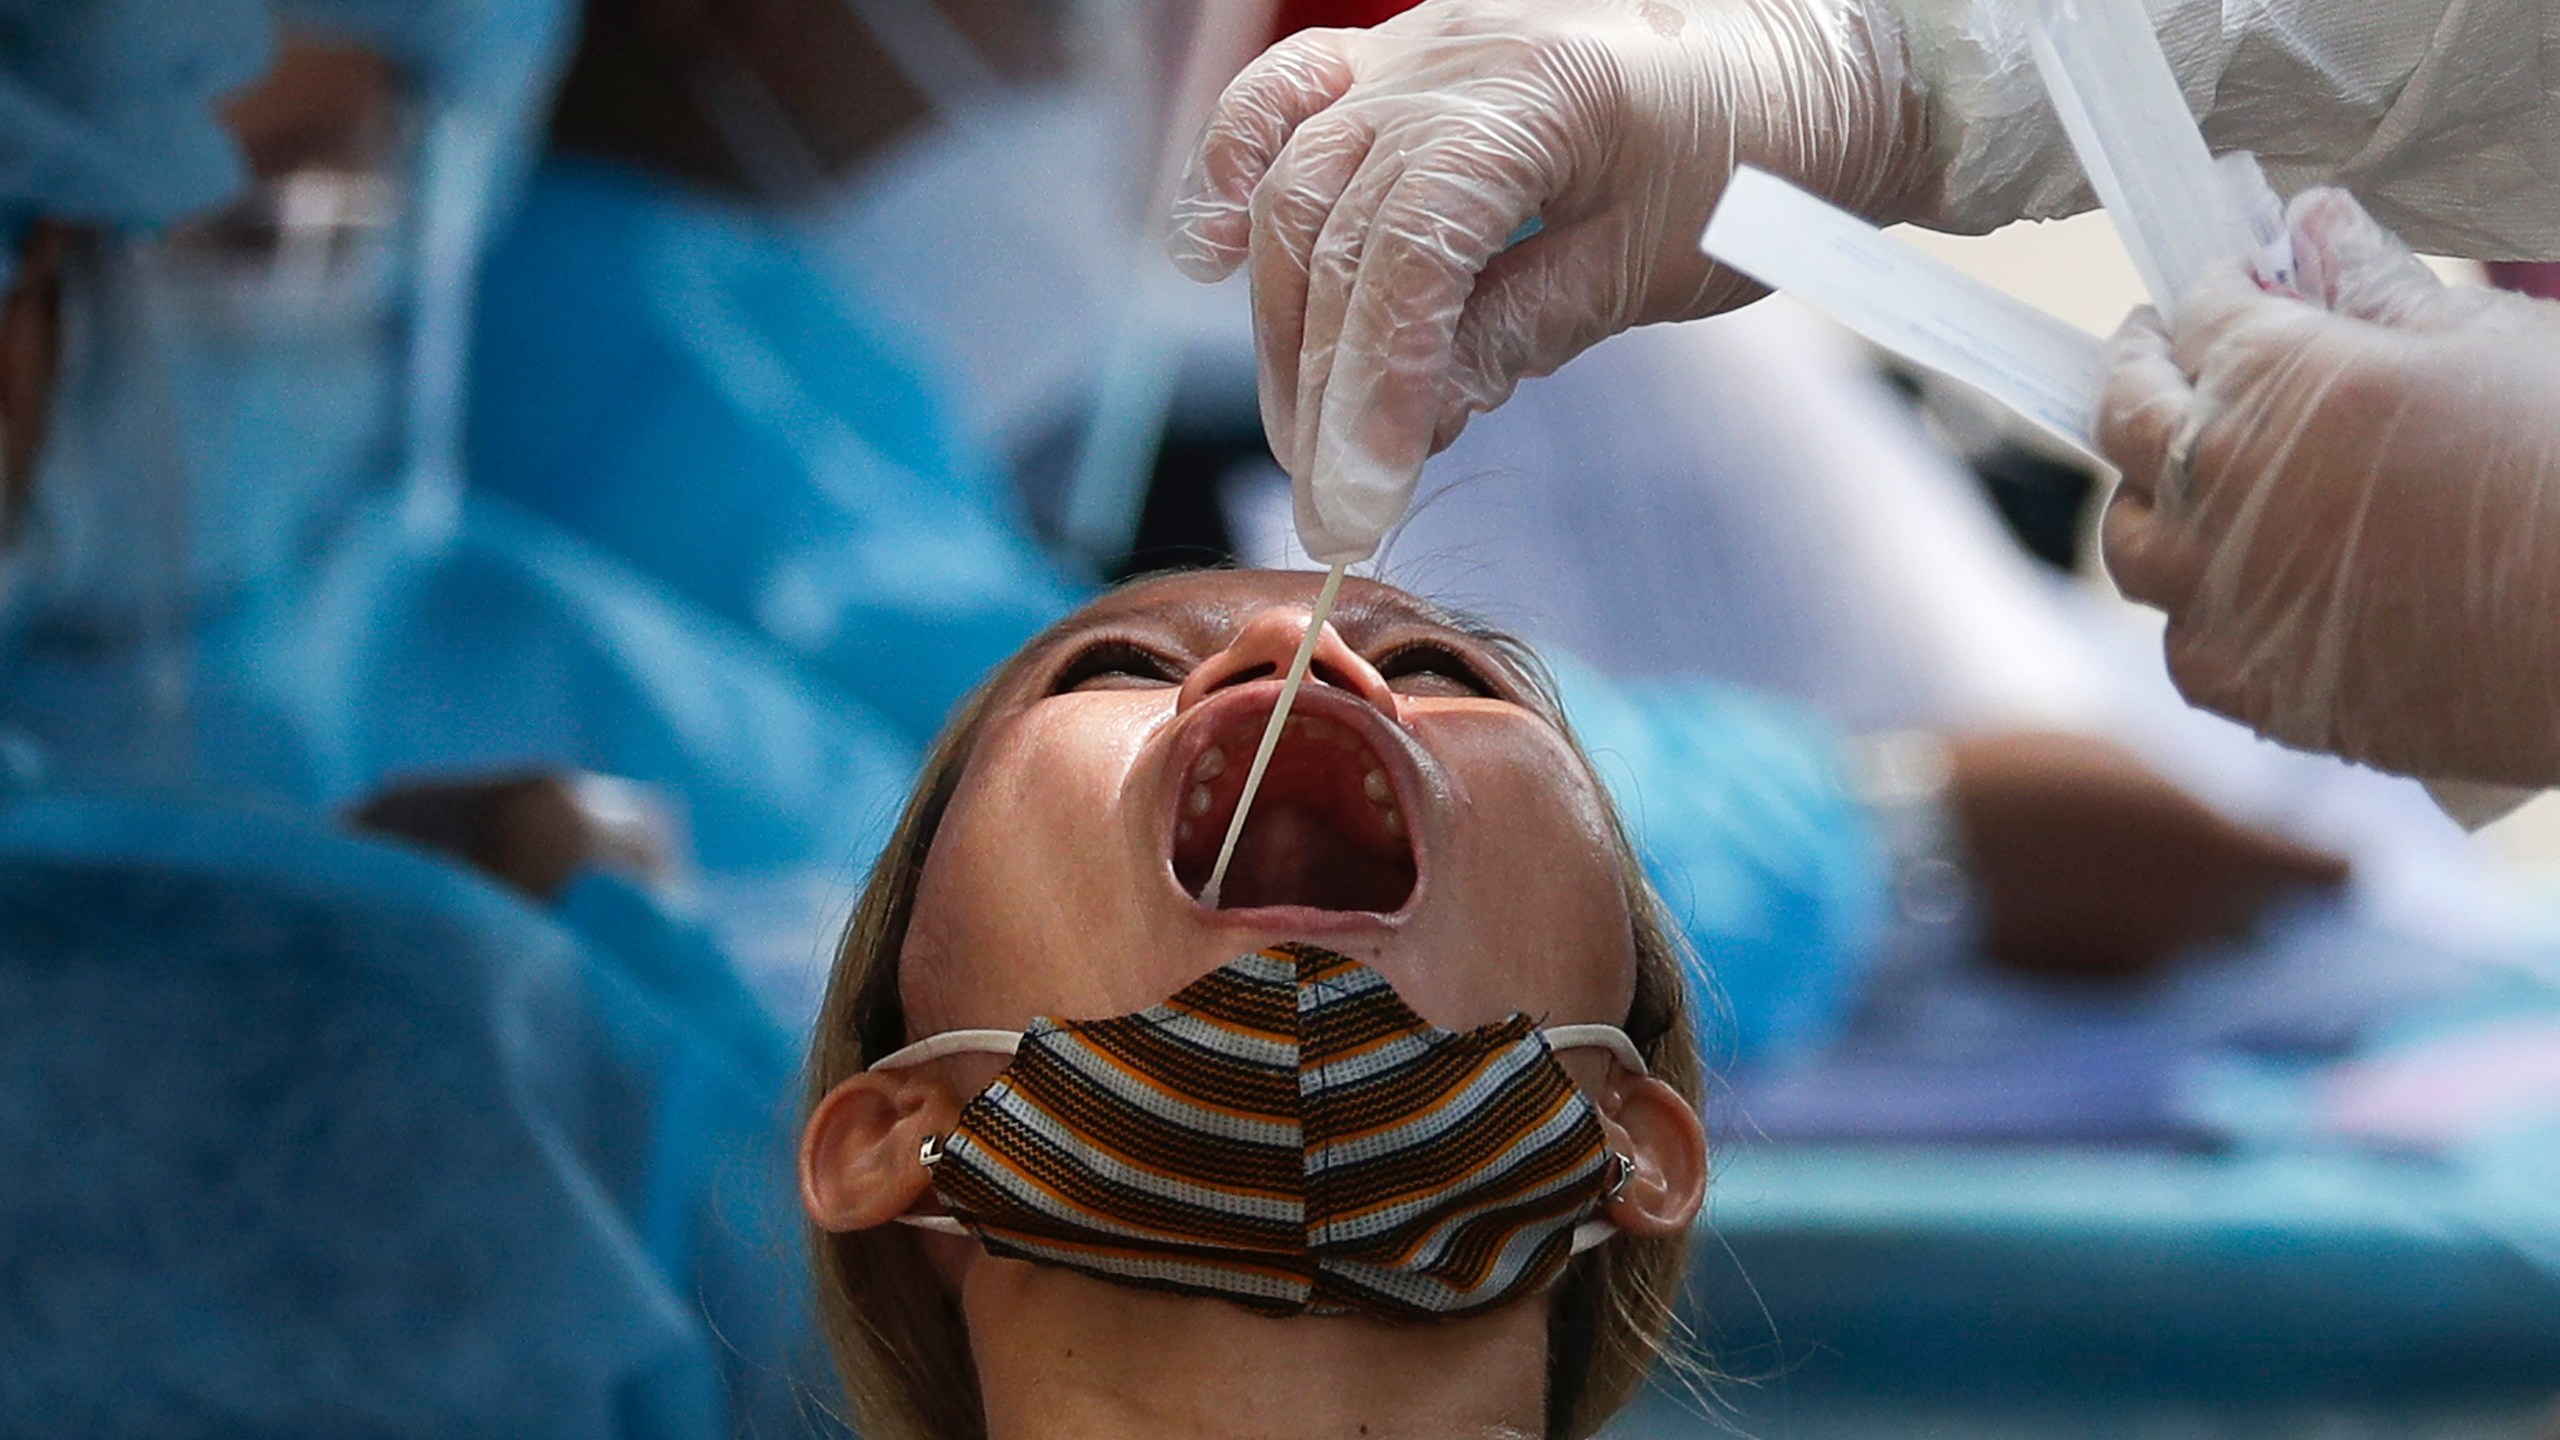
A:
{"points": [[1314, 727], [1373, 784]]}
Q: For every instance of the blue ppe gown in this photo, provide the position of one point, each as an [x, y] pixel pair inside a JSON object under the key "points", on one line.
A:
{"points": [[308, 1134], [1771, 866], [668, 377], [500, 645], [312, 1135]]}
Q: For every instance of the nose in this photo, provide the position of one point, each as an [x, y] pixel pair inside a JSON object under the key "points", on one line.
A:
{"points": [[1266, 645]]}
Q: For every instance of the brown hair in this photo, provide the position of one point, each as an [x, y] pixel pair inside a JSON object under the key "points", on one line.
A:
{"points": [[896, 1333]]}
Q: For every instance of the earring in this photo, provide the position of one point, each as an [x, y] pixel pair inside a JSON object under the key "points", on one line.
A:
{"points": [[929, 1154]]}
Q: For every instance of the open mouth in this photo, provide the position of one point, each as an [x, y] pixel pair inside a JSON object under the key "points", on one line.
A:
{"points": [[1326, 831]]}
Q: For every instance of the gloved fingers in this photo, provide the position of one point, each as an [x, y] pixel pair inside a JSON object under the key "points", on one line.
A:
{"points": [[2222, 309], [2257, 364], [2147, 411], [1299, 205], [1323, 545], [1255, 117], [1532, 302], [2153, 557], [1536, 305], [2210, 677], [1322, 291], [1393, 298], [2351, 265]]}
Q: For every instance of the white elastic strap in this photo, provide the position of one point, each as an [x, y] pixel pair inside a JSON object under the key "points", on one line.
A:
{"points": [[950, 1042], [1601, 1037], [1586, 1235]]}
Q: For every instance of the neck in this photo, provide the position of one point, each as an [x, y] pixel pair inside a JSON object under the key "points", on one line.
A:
{"points": [[1063, 1357]]}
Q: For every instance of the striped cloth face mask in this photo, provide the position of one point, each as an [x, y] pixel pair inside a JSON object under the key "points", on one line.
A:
{"points": [[1287, 1134]]}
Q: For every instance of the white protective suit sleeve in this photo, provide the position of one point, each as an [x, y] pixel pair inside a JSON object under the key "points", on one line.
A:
{"points": [[2443, 116]]}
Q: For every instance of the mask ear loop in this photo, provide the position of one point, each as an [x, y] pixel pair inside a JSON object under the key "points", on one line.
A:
{"points": [[950, 1225], [1596, 1231], [934, 1047], [950, 1042], [1598, 1037]]}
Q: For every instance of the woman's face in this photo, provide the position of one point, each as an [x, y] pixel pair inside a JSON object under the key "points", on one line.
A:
{"points": [[1417, 815]]}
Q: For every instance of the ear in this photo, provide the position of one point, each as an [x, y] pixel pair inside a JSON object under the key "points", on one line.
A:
{"points": [[1649, 1123], [859, 1156]]}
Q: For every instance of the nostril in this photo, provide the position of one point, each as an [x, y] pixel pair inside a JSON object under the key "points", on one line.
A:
{"points": [[1324, 673], [1244, 674], [1320, 673]]}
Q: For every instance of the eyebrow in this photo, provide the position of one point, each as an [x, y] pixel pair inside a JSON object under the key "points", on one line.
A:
{"points": [[1375, 610]]}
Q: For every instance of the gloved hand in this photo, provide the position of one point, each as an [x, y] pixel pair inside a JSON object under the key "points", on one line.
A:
{"points": [[1374, 177], [2350, 507]]}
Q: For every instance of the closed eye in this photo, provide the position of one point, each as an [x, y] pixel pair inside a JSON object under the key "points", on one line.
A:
{"points": [[1113, 664], [1427, 667]]}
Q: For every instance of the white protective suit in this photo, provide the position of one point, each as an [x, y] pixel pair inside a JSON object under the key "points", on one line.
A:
{"points": [[2442, 115]]}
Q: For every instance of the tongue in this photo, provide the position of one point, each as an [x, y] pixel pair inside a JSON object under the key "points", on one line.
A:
{"points": [[1292, 854]]}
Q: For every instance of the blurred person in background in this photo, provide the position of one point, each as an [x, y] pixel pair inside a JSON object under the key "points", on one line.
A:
{"points": [[260, 570], [666, 366], [324, 1132]]}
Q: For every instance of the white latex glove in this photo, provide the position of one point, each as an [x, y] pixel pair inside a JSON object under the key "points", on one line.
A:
{"points": [[2360, 552], [1374, 177]]}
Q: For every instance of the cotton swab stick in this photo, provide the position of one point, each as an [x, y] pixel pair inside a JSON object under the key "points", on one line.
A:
{"points": [[1271, 732]]}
